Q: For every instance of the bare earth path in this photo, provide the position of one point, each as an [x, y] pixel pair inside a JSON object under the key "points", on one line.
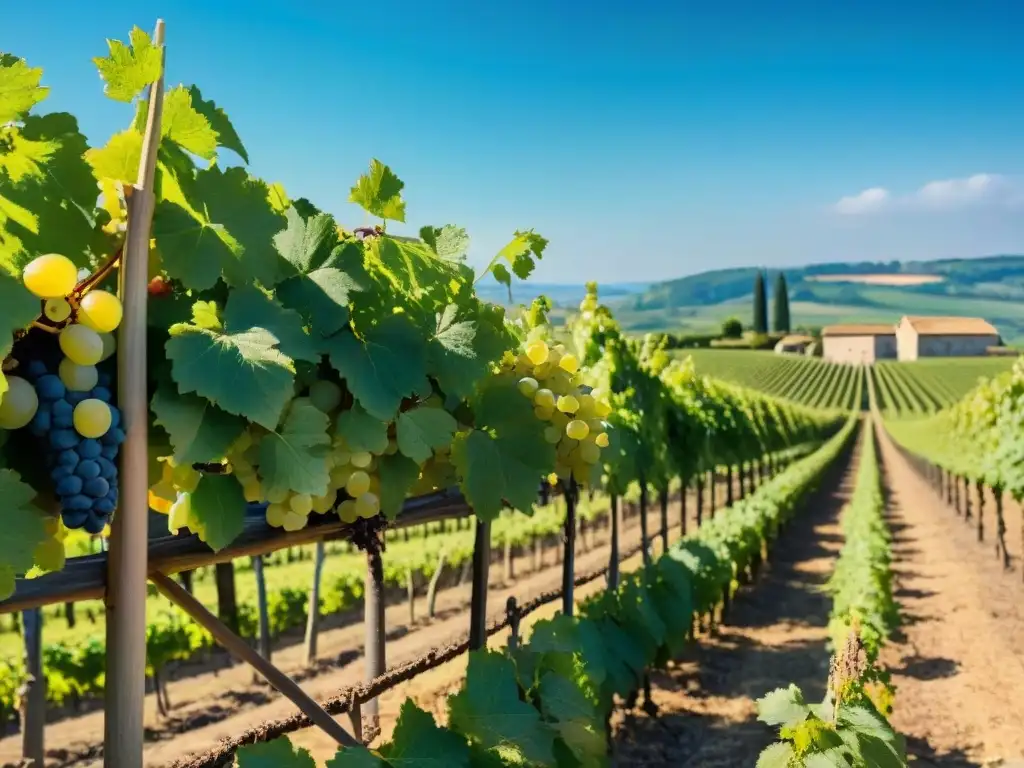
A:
{"points": [[775, 634], [959, 667]]}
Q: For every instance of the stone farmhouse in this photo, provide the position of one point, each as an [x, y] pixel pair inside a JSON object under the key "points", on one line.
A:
{"points": [[910, 339]]}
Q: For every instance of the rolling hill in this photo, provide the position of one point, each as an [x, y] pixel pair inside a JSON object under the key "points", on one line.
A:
{"points": [[820, 294]]}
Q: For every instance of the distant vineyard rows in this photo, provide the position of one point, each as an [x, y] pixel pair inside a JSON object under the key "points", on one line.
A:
{"points": [[928, 386], [806, 380]]}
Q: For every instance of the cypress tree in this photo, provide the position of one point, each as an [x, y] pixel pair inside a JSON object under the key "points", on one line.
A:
{"points": [[760, 324], [780, 309]]}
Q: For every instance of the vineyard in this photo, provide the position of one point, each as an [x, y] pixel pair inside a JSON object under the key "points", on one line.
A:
{"points": [[281, 492], [807, 380], [927, 386]]}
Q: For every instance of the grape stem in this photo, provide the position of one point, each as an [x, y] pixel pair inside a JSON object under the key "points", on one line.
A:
{"points": [[76, 295]]}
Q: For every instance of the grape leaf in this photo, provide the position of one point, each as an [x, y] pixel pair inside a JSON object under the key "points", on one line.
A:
{"points": [[24, 526], [242, 373], [199, 431], [130, 68], [119, 159], [464, 347], [186, 126], [228, 228], [522, 253], [219, 505], [488, 710], [49, 209], [449, 242], [323, 273], [503, 458], [379, 193], [219, 121], [278, 753], [423, 430], [355, 757], [830, 758], [361, 431], [776, 756], [250, 309], [575, 716], [419, 743], [783, 706], [18, 308], [386, 366], [398, 474], [19, 87], [295, 457]]}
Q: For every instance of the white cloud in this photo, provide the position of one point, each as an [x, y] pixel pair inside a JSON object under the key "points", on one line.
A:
{"points": [[944, 194], [869, 200]]}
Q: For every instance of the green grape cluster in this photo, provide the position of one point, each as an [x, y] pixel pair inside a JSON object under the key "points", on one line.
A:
{"points": [[549, 376]]}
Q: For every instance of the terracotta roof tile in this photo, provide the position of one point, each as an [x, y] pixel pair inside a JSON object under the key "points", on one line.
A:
{"points": [[862, 329], [951, 326]]}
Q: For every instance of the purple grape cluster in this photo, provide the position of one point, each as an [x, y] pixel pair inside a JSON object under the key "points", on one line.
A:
{"points": [[83, 470]]}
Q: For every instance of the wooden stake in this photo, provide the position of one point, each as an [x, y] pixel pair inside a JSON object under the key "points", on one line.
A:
{"points": [[237, 646], [127, 564]]}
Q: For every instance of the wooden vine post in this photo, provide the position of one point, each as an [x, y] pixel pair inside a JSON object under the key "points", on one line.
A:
{"points": [[127, 563], [478, 600], [569, 551], [645, 542], [373, 619], [33, 691], [613, 555]]}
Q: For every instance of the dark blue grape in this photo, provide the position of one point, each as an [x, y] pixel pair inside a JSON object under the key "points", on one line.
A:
{"points": [[63, 415], [74, 398], [89, 448], [41, 423], [113, 436], [94, 524], [34, 369], [115, 417], [87, 469], [50, 387], [69, 486], [104, 506], [67, 458], [96, 487], [78, 501], [108, 470], [109, 452], [64, 438], [104, 379], [61, 471], [75, 518], [101, 393]]}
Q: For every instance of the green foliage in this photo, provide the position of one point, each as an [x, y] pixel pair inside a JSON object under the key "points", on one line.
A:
{"points": [[545, 704], [732, 328], [760, 321], [780, 305]]}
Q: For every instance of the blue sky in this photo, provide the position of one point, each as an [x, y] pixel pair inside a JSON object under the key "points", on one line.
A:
{"points": [[646, 140]]}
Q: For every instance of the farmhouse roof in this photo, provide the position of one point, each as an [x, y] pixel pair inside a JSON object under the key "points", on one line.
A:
{"points": [[859, 329], [951, 326]]}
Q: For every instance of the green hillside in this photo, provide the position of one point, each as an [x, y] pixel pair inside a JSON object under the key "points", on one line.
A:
{"points": [[990, 287]]}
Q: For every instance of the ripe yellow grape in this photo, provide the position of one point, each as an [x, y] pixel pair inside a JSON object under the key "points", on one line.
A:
{"points": [[109, 345], [590, 453], [361, 460], [293, 521], [577, 429], [347, 511], [301, 504], [543, 370], [77, 378], [57, 310], [92, 418], [560, 419], [276, 514], [587, 408], [544, 398], [325, 395], [569, 363], [568, 404], [83, 345], [100, 311], [358, 484], [18, 405], [252, 490], [538, 352], [553, 434], [602, 408], [367, 505], [323, 504], [528, 386], [277, 495], [543, 413], [51, 276], [601, 441]]}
